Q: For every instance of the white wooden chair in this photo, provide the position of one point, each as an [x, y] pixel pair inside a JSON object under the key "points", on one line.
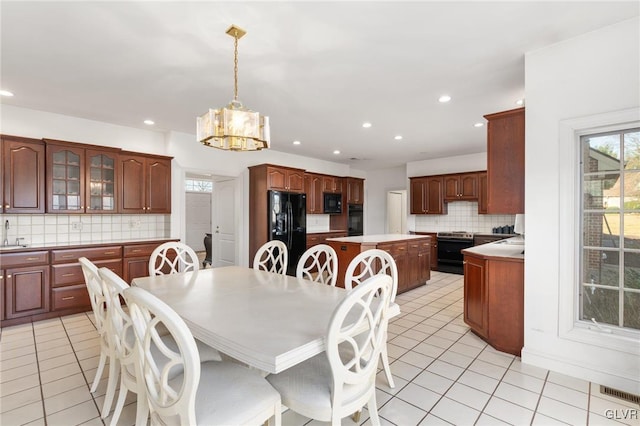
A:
{"points": [[98, 299], [211, 393], [320, 264], [365, 265], [185, 259], [272, 257], [123, 341], [338, 383]]}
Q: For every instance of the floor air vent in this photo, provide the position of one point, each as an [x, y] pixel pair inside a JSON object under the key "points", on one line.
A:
{"points": [[620, 394]]}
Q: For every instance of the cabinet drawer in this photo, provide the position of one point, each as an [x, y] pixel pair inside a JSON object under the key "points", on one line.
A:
{"points": [[419, 246], [140, 250], [24, 259], [70, 297], [71, 273], [72, 255], [395, 249]]}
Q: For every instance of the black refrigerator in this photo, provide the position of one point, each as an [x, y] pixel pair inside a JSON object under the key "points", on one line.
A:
{"points": [[288, 223]]}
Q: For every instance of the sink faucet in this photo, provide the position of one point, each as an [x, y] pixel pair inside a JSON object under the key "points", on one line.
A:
{"points": [[18, 241], [6, 233]]}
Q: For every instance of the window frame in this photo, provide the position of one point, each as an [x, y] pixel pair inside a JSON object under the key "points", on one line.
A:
{"points": [[197, 180], [570, 238]]}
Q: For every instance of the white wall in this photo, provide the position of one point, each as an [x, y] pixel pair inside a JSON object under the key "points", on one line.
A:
{"points": [[376, 186], [595, 73], [457, 164], [38, 124]]}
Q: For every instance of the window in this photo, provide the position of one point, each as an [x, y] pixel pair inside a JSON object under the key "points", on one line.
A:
{"points": [[198, 185], [609, 291]]}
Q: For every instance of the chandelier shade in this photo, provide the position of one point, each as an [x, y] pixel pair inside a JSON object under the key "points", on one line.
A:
{"points": [[234, 127]]}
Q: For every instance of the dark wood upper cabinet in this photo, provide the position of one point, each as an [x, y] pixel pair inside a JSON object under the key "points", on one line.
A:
{"points": [[158, 185], [65, 178], [284, 179], [505, 162], [427, 195], [145, 184], [332, 184], [81, 178], [101, 181], [459, 187], [22, 178], [313, 189], [355, 190]]}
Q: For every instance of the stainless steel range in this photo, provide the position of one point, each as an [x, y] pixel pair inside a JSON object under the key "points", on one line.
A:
{"points": [[450, 246]]}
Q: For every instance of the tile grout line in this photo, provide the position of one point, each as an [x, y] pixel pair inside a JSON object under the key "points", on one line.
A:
{"points": [[81, 370]]}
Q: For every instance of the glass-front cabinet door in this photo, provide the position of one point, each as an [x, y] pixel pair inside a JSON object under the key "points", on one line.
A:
{"points": [[101, 181], [65, 189]]}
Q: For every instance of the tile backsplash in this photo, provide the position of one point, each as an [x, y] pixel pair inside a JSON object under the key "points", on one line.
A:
{"points": [[462, 216], [62, 229]]}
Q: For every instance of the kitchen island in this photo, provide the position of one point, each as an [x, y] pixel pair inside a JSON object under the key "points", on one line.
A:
{"points": [[494, 293], [411, 253]]}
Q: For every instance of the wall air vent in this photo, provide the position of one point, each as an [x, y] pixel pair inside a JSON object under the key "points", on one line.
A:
{"points": [[635, 399]]}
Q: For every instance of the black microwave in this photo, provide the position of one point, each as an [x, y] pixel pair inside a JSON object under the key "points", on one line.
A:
{"points": [[332, 203]]}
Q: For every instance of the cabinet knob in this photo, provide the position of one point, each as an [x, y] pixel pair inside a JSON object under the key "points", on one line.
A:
{"points": [[6, 206], [9, 276]]}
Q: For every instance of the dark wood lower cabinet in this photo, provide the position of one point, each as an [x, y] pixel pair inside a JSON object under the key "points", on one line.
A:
{"points": [[412, 257], [40, 284], [27, 291], [494, 300]]}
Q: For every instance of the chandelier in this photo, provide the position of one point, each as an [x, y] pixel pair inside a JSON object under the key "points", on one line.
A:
{"points": [[234, 127]]}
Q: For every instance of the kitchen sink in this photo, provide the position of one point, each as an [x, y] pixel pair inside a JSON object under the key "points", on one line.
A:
{"points": [[518, 242], [13, 247]]}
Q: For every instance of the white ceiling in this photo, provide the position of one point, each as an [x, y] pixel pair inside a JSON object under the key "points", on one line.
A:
{"points": [[318, 69]]}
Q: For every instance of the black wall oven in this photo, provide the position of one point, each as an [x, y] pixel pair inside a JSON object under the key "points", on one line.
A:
{"points": [[355, 220], [450, 246]]}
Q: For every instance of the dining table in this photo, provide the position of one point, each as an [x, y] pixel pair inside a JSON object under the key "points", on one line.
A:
{"points": [[266, 320]]}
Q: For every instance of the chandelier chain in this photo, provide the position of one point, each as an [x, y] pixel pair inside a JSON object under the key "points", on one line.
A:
{"points": [[235, 66]]}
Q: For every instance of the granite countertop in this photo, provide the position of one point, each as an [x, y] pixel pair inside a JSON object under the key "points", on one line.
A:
{"points": [[49, 246], [512, 248], [381, 238]]}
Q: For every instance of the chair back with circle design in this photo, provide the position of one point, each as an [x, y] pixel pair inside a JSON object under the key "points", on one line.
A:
{"points": [[355, 338], [369, 263], [272, 256], [319, 264], [96, 295], [170, 397], [173, 257]]}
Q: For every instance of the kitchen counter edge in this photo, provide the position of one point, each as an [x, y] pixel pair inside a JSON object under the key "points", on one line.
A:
{"points": [[510, 248]]}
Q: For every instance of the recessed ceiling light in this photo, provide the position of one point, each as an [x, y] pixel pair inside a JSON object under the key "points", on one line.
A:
{"points": [[398, 138], [149, 122], [296, 142], [478, 125], [520, 102], [366, 125], [444, 98], [336, 152], [5, 93]]}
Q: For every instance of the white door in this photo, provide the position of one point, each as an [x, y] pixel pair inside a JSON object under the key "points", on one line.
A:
{"points": [[224, 231], [396, 212], [197, 218]]}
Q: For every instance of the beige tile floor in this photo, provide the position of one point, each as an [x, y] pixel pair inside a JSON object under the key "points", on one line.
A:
{"points": [[444, 374]]}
